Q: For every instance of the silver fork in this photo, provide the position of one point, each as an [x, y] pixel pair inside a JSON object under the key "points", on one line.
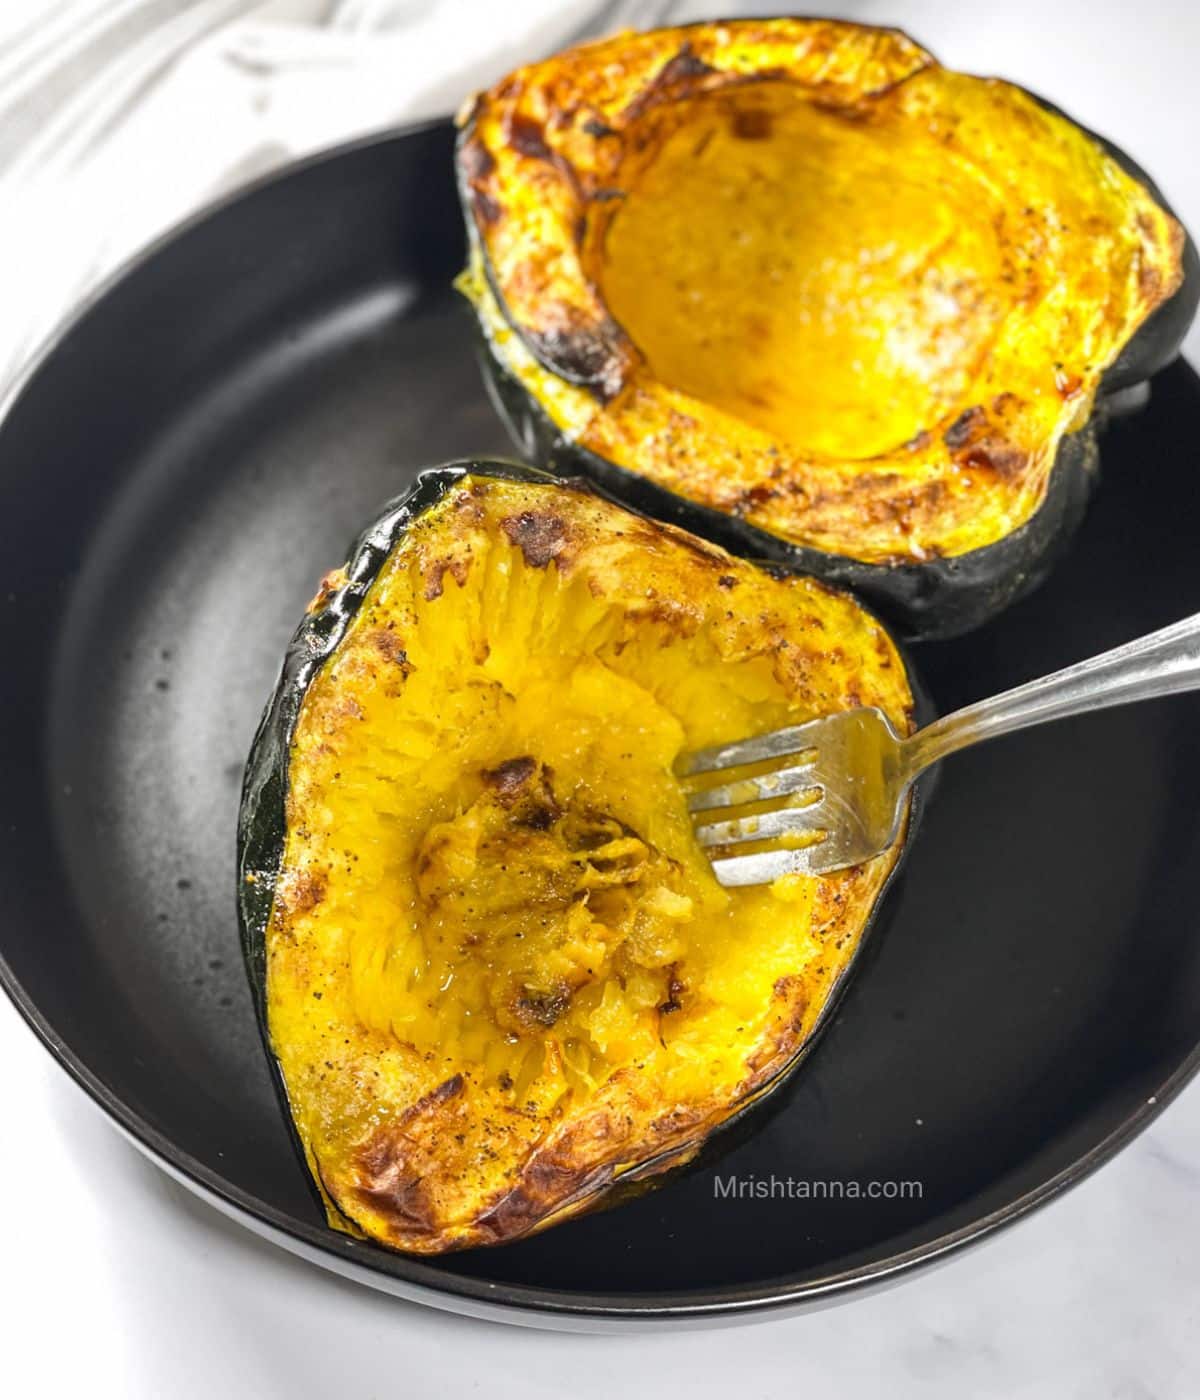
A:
{"points": [[827, 794]]}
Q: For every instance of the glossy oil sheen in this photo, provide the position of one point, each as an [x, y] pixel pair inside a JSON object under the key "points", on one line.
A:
{"points": [[176, 477]]}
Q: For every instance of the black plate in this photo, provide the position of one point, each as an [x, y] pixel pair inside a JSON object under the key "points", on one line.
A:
{"points": [[203, 443]]}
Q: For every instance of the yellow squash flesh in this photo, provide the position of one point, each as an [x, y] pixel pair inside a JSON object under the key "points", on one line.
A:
{"points": [[501, 977], [797, 271]]}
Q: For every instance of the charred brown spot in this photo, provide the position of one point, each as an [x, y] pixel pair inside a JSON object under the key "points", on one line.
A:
{"points": [[606, 194], [683, 67], [754, 497], [876, 481], [448, 1089], [476, 161], [751, 124], [965, 427], [541, 1008], [538, 815], [675, 990], [389, 1182], [590, 355], [302, 892], [514, 1215], [909, 510], [997, 457], [532, 806], [466, 505], [528, 138], [675, 78], [436, 574], [403, 1201], [543, 1184], [727, 581], [593, 126], [540, 535], [509, 88], [487, 209], [510, 777], [389, 646]]}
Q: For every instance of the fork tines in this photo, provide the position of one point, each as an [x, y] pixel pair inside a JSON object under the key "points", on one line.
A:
{"points": [[778, 744], [781, 802]]}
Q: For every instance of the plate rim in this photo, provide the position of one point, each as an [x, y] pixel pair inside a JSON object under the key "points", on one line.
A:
{"points": [[422, 1283], [410, 1277]]}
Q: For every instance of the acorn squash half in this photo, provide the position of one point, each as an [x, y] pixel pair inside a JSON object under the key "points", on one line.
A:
{"points": [[495, 970], [794, 284]]}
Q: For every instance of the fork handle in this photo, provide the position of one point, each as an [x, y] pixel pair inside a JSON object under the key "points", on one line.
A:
{"points": [[1162, 663]]}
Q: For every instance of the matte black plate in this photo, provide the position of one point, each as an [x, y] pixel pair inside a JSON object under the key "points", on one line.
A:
{"points": [[192, 455]]}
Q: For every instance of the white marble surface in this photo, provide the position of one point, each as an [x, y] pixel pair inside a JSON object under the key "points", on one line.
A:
{"points": [[114, 1282]]}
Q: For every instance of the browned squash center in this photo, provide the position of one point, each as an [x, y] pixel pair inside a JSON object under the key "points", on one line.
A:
{"points": [[531, 898], [835, 278]]}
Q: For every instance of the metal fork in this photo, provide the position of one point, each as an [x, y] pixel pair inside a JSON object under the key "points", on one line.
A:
{"points": [[827, 794]]}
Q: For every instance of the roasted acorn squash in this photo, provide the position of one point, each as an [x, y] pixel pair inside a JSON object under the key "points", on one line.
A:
{"points": [[794, 284], [495, 970]]}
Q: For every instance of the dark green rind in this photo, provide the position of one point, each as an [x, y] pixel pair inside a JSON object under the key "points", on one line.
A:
{"points": [[262, 818], [934, 599]]}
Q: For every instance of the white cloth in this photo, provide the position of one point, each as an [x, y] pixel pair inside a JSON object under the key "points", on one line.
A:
{"points": [[120, 117]]}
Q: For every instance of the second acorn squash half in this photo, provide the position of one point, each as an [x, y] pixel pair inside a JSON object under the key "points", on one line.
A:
{"points": [[496, 972], [796, 285]]}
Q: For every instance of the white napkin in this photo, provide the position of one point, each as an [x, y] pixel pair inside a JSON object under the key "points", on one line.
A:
{"points": [[120, 117]]}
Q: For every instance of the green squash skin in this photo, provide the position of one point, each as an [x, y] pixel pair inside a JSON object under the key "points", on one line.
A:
{"points": [[921, 601], [262, 817]]}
